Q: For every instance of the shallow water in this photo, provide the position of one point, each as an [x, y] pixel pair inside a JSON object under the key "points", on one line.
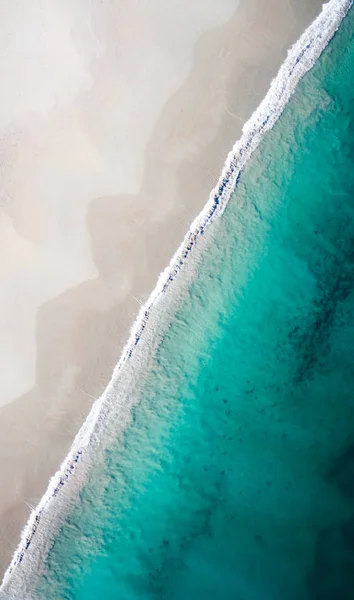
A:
{"points": [[235, 479]]}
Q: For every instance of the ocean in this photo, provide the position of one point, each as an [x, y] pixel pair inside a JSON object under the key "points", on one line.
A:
{"points": [[233, 477]]}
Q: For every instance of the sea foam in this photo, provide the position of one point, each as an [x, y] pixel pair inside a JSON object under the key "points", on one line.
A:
{"points": [[110, 414]]}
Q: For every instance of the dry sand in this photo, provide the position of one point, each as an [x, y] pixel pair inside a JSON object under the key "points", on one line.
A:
{"points": [[115, 120]]}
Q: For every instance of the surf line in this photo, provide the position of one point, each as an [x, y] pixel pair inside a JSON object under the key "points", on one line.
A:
{"points": [[300, 59]]}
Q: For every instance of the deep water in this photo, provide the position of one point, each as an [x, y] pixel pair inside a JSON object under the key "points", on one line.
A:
{"points": [[235, 480]]}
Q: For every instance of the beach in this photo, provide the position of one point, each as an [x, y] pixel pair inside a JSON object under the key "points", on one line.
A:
{"points": [[103, 168]]}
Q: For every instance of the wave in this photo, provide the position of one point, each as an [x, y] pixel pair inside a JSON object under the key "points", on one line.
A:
{"points": [[114, 406]]}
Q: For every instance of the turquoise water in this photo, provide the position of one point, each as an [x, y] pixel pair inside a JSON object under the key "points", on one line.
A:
{"points": [[236, 478]]}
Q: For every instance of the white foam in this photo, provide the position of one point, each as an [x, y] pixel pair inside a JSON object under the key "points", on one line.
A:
{"points": [[111, 413]]}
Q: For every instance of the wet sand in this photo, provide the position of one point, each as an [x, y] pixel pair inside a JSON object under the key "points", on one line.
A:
{"points": [[102, 169]]}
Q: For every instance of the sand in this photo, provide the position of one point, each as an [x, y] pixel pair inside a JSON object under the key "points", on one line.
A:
{"points": [[115, 122]]}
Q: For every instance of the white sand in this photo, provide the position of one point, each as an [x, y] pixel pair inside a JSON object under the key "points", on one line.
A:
{"points": [[115, 120]]}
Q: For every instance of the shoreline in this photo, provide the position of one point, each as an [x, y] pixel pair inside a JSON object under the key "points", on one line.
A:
{"points": [[300, 59], [78, 335]]}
